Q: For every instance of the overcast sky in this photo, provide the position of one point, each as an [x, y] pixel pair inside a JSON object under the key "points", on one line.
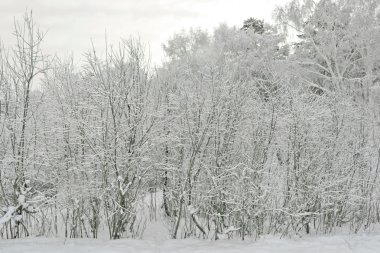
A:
{"points": [[71, 24]]}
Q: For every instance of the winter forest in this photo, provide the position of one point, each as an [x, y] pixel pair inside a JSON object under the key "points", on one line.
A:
{"points": [[239, 133]]}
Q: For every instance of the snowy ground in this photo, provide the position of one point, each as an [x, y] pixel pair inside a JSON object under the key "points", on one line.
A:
{"points": [[330, 244]]}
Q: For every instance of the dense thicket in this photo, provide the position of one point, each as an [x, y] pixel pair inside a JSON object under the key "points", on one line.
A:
{"points": [[239, 133]]}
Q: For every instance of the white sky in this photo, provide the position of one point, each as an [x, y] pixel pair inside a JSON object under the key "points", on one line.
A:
{"points": [[71, 24]]}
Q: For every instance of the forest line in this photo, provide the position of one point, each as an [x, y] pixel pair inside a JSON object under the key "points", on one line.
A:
{"points": [[241, 132]]}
